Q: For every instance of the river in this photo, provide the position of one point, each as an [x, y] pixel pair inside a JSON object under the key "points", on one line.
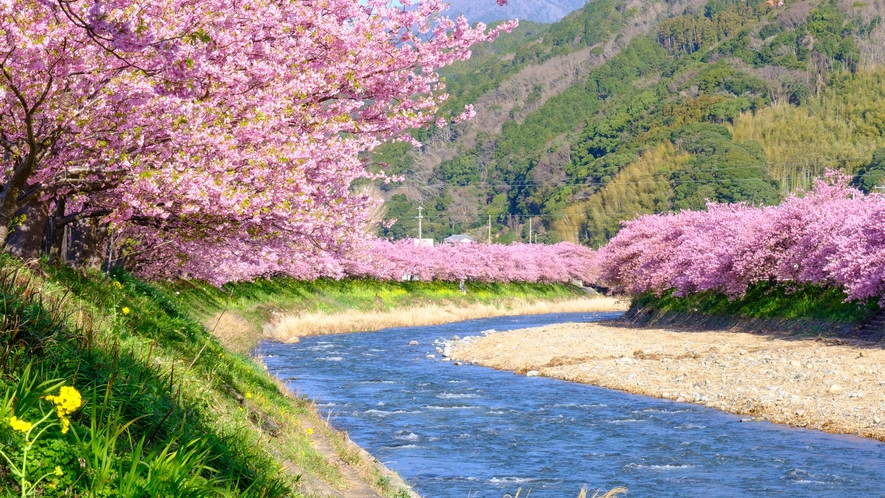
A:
{"points": [[467, 431]]}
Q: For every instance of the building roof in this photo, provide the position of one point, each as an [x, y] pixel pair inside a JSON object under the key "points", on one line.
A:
{"points": [[458, 239]]}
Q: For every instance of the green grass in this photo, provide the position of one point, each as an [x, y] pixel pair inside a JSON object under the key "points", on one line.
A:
{"points": [[767, 301], [166, 409], [257, 301]]}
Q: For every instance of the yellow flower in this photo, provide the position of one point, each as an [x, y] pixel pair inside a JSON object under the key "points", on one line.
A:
{"points": [[58, 471], [248, 395], [65, 424], [125, 310], [309, 431], [19, 424], [117, 284], [67, 401]]}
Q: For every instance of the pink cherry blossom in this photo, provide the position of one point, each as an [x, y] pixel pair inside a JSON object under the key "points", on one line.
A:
{"points": [[834, 235], [203, 129]]}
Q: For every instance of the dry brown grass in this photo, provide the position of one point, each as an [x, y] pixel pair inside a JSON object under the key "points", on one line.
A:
{"points": [[606, 494], [288, 328], [583, 494], [235, 332]]}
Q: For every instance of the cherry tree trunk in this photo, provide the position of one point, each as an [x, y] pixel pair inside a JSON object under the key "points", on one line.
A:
{"points": [[54, 234], [87, 243], [26, 239]]}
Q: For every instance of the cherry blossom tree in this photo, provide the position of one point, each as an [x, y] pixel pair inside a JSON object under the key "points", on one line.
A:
{"points": [[833, 235], [204, 129]]}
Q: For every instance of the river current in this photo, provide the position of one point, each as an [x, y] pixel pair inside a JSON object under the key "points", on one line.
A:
{"points": [[468, 431]]}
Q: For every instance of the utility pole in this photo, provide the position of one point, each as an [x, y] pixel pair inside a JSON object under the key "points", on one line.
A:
{"points": [[530, 230], [490, 229], [420, 217]]}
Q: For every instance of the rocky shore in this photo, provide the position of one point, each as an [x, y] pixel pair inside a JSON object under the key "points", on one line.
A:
{"points": [[827, 384]]}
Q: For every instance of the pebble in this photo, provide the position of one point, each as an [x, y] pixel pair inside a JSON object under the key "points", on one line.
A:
{"points": [[532, 373], [835, 388]]}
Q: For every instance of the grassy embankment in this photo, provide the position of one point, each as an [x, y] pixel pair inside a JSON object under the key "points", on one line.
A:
{"points": [[282, 309], [161, 407], [164, 408], [808, 309]]}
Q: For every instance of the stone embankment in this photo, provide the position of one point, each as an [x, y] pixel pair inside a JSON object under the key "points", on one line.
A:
{"points": [[827, 384]]}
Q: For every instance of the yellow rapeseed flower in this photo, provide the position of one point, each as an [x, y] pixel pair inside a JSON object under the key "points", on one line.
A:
{"points": [[125, 310], [20, 425], [58, 471], [67, 401], [65, 424]]}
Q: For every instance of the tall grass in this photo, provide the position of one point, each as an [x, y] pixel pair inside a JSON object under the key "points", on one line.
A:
{"points": [[289, 327], [166, 409]]}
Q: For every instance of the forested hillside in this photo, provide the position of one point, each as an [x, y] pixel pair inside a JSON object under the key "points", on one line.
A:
{"points": [[626, 108]]}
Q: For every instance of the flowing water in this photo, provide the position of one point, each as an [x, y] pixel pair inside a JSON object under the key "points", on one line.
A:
{"points": [[468, 431]]}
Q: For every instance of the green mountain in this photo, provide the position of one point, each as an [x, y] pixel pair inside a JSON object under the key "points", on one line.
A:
{"points": [[628, 107]]}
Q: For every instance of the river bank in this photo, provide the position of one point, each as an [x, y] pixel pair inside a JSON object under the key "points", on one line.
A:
{"points": [[245, 313], [832, 385], [241, 326], [289, 327]]}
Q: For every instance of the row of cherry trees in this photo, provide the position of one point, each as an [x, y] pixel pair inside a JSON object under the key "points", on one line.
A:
{"points": [[562, 262], [834, 235], [385, 260], [196, 129]]}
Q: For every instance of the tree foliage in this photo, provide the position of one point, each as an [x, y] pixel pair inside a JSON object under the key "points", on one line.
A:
{"points": [[833, 236], [211, 130]]}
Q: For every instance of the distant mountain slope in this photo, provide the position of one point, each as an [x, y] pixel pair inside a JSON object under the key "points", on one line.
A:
{"points": [[545, 11], [629, 107]]}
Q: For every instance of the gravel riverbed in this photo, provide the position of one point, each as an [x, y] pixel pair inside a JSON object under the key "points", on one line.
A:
{"points": [[826, 384]]}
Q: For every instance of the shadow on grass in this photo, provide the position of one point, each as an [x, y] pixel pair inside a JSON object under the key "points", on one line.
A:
{"points": [[799, 312]]}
